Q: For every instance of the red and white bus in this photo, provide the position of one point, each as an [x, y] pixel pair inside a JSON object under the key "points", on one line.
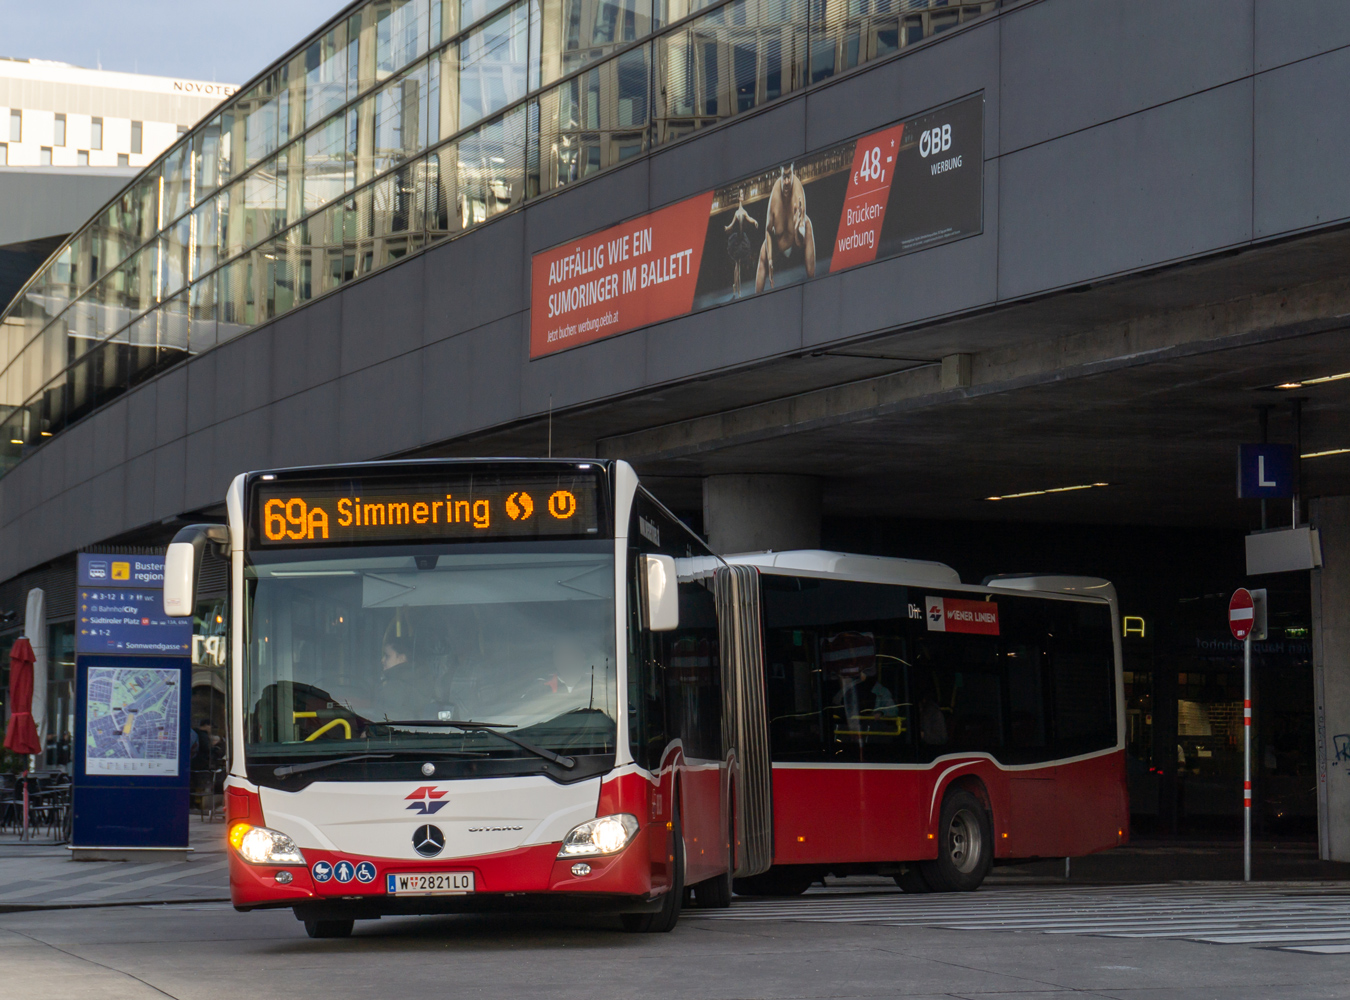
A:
{"points": [[925, 729], [467, 685]]}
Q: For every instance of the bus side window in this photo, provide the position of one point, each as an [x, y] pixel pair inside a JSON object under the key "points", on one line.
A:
{"points": [[646, 686], [1026, 701], [694, 675], [961, 672], [792, 686], [682, 671], [1082, 675]]}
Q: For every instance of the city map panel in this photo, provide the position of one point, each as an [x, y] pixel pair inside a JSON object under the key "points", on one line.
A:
{"points": [[132, 721]]}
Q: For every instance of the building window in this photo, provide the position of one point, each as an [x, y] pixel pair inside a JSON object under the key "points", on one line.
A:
{"points": [[82, 158], [136, 137], [59, 132], [4, 155], [96, 133], [123, 160], [45, 156], [16, 126]]}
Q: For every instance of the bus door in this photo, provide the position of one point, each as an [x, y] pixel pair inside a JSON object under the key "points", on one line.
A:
{"points": [[676, 690]]}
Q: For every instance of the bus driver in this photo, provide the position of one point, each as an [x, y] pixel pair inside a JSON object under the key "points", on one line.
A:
{"points": [[401, 693]]}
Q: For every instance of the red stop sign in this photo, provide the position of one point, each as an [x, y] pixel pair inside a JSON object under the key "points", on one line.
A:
{"points": [[1240, 613]]}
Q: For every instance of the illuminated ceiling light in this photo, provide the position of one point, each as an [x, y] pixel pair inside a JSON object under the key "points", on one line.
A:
{"points": [[15, 441], [1311, 381], [1041, 493], [1326, 378], [1324, 454]]}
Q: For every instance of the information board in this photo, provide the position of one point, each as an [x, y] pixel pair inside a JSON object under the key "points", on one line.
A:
{"points": [[133, 674], [129, 621]]}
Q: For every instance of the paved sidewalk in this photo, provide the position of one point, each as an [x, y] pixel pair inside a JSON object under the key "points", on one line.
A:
{"points": [[40, 875]]}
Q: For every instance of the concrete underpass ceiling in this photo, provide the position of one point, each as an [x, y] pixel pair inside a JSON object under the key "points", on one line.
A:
{"points": [[1160, 424], [1164, 436]]}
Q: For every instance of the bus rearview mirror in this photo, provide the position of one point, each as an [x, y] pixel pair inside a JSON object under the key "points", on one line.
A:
{"points": [[661, 592], [183, 565]]}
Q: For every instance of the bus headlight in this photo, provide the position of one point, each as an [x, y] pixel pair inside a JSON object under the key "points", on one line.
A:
{"points": [[260, 846], [602, 835]]}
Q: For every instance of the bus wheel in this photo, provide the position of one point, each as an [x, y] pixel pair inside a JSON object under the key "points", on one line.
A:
{"points": [[965, 846], [329, 928], [912, 880], [715, 893], [786, 880], [665, 918]]}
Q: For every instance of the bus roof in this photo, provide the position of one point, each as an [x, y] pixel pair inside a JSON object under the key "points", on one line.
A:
{"points": [[863, 569], [887, 570], [1084, 586]]}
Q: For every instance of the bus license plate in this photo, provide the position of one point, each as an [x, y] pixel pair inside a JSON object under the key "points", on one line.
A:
{"points": [[430, 884]]}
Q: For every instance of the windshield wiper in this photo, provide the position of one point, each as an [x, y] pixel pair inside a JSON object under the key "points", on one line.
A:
{"points": [[488, 727], [314, 765]]}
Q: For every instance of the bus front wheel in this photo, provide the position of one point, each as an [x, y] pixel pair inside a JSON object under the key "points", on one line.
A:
{"points": [[965, 846], [665, 918], [329, 928]]}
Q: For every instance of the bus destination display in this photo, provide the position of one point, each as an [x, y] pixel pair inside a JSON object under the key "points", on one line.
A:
{"points": [[515, 507]]}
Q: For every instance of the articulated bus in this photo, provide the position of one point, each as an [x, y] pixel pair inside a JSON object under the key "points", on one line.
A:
{"points": [[519, 684]]}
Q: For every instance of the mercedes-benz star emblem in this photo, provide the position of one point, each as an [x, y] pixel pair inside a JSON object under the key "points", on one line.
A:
{"points": [[428, 841], [428, 769]]}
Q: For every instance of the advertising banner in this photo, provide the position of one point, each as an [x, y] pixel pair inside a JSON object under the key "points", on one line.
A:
{"points": [[909, 186]]}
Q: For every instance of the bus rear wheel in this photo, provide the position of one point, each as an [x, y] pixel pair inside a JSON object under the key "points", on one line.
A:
{"points": [[329, 928], [965, 846]]}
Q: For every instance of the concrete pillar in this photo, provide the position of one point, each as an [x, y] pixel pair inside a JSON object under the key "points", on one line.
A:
{"points": [[1331, 675], [752, 513]]}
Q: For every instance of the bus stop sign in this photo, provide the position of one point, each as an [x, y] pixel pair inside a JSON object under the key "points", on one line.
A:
{"points": [[1241, 613]]}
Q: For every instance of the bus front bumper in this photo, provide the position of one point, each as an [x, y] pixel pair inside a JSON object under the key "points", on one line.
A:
{"points": [[528, 878]]}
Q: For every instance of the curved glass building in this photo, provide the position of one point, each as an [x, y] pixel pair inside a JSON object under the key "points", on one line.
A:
{"points": [[398, 124]]}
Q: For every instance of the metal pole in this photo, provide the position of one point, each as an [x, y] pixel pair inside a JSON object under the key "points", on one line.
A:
{"points": [[1297, 405], [1247, 758], [1264, 412]]}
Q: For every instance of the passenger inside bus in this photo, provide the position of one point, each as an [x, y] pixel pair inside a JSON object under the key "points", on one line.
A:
{"points": [[852, 658]]}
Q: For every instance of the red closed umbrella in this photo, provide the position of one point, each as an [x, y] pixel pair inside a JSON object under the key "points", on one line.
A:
{"points": [[22, 734]]}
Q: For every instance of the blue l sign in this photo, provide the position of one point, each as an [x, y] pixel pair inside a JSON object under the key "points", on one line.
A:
{"points": [[1265, 470]]}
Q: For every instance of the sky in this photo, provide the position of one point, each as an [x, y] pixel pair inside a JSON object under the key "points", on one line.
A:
{"points": [[227, 41]]}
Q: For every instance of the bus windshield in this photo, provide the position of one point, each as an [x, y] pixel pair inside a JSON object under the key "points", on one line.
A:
{"points": [[350, 649]]}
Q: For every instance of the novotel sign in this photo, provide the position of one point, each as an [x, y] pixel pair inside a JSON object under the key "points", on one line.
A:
{"points": [[204, 89]]}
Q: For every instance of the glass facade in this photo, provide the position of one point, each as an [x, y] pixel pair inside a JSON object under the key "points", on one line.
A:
{"points": [[403, 123]]}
